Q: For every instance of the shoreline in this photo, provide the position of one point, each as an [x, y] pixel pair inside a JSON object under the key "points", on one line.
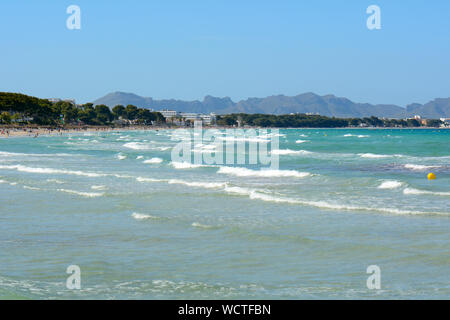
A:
{"points": [[34, 132], [11, 132]]}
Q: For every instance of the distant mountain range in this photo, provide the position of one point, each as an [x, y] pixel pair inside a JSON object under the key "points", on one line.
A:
{"points": [[328, 105]]}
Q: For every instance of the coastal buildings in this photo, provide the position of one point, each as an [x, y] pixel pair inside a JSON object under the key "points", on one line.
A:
{"points": [[445, 122], [169, 113], [182, 118]]}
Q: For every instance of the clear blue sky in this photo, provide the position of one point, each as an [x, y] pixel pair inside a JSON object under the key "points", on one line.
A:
{"points": [[188, 49]]}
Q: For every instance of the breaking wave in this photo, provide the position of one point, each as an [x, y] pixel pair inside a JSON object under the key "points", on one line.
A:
{"points": [[207, 185], [333, 206], [83, 194], [244, 172], [289, 151], [375, 156], [419, 192], [390, 184], [419, 167], [141, 216], [153, 161], [356, 135], [186, 165], [137, 146], [52, 171]]}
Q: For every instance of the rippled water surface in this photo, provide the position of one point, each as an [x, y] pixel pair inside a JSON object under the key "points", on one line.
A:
{"points": [[141, 226]]}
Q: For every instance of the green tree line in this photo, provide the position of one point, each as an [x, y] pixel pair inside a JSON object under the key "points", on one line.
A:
{"points": [[15, 107], [315, 121]]}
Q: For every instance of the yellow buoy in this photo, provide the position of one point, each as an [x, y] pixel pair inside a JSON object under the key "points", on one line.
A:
{"points": [[431, 176]]}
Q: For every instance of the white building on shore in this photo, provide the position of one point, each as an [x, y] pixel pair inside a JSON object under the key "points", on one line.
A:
{"points": [[206, 119], [169, 113]]}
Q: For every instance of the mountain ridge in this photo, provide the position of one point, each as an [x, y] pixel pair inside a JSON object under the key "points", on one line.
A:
{"points": [[309, 102]]}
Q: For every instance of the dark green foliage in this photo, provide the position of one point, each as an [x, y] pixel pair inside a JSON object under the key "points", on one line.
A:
{"points": [[314, 121], [15, 106]]}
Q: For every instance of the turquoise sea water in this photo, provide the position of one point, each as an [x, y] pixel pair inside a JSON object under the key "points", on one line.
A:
{"points": [[342, 199]]}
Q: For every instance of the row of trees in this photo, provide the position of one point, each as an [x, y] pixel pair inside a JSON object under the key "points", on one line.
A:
{"points": [[16, 107], [316, 121]]}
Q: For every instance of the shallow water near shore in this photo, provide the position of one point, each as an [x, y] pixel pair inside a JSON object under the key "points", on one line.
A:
{"points": [[140, 226]]}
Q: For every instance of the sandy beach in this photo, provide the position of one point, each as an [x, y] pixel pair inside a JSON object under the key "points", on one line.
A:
{"points": [[10, 132]]}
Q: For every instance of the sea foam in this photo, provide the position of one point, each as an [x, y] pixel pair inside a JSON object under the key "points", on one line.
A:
{"points": [[51, 171], [153, 161], [289, 151], [83, 194], [392, 184], [244, 172], [186, 165], [207, 185], [335, 206], [413, 191], [419, 167], [356, 135], [141, 216], [374, 156], [137, 146], [202, 226]]}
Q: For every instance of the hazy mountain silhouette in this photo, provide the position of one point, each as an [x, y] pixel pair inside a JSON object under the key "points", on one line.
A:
{"points": [[328, 105]]}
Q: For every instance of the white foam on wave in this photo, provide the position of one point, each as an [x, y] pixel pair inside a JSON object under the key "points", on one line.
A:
{"points": [[373, 156], [412, 191], [186, 165], [137, 146], [244, 172], [22, 168], [301, 141], [390, 184], [289, 151], [419, 167], [14, 154], [121, 156], [239, 190], [139, 157], [202, 226], [99, 187], [356, 135], [142, 179], [55, 181], [260, 139], [260, 195], [31, 188], [153, 161], [207, 185], [83, 194], [141, 216], [334, 206]]}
